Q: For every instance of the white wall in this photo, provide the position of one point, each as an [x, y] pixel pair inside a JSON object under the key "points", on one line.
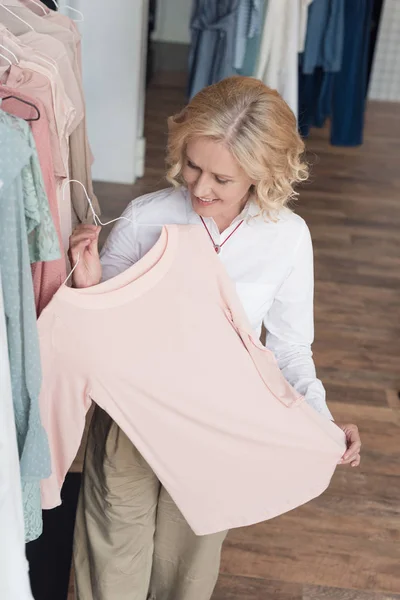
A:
{"points": [[114, 59], [385, 77], [172, 21]]}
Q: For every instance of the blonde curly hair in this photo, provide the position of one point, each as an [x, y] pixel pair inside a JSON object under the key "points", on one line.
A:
{"points": [[258, 128]]}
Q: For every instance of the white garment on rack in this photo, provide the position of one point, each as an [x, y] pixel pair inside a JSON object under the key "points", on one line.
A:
{"points": [[14, 578], [277, 63], [304, 4]]}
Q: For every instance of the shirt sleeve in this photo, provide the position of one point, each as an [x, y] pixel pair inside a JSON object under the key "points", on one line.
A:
{"points": [[120, 250], [65, 399], [290, 327]]}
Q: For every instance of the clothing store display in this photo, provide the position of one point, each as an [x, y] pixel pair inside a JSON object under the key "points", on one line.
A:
{"points": [[220, 433], [298, 47], [277, 289], [131, 536], [56, 36], [212, 51], [197, 426], [20, 216], [44, 143], [338, 93], [277, 63], [14, 580]]}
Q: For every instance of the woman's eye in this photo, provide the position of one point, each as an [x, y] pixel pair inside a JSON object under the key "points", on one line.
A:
{"points": [[191, 165], [221, 181]]}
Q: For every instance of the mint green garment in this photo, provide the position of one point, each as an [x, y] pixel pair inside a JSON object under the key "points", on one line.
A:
{"points": [[253, 47], [42, 236], [21, 211]]}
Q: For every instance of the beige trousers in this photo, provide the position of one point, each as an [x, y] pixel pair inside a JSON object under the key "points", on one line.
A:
{"points": [[131, 541]]}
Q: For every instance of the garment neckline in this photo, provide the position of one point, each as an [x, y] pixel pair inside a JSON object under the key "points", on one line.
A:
{"points": [[132, 283]]}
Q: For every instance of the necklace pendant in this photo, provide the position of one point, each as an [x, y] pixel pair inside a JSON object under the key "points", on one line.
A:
{"points": [[217, 248]]}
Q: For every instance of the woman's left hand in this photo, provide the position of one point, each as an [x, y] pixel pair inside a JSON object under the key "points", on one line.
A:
{"points": [[353, 442]]}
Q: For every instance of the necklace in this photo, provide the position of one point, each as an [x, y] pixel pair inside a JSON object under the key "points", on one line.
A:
{"points": [[218, 247]]}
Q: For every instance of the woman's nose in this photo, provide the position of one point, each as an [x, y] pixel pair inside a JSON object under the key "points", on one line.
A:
{"points": [[202, 188]]}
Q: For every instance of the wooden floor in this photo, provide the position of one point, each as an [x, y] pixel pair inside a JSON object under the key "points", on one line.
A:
{"points": [[346, 544]]}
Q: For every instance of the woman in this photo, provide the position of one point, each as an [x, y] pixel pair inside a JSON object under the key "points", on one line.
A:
{"points": [[234, 155]]}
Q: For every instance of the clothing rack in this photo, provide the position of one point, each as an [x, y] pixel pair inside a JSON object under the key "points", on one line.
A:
{"points": [[43, 130], [307, 50]]}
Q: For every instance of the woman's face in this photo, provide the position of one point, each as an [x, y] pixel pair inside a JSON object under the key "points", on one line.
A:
{"points": [[218, 187]]}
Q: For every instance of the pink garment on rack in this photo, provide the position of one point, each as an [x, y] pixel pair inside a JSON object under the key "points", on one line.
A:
{"points": [[38, 86], [53, 48], [47, 276], [166, 349], [59, 28], [38, 82]]}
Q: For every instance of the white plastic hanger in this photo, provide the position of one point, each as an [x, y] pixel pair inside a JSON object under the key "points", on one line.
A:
{"points": [[16, 16], [45, 59], [40, 6], [96, 219], [75, 10], [12, 53], [6, 59], [37, 54]]}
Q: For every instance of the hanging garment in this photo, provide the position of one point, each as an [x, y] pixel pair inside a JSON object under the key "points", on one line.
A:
{"points": [[276, 290], [43, 242], [304, 9], [25, 78], [14, 579], [324, 38], [340, 96], [277, 63], [205, 403], [39, 87], [48, 46], [47, 276], [80, 155], [213, 28], [253, 46], [18, 202], [248, 24], [40, 82], [350, 84]]}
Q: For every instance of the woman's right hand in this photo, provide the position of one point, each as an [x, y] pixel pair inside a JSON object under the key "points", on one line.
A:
{"points": [[84, 242]]}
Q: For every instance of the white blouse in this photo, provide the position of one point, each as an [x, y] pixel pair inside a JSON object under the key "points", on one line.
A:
{"points": [[270, 262]]}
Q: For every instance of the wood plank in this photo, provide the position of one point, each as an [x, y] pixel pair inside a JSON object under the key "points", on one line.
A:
{"points": [[231, 587], [325, 593]]}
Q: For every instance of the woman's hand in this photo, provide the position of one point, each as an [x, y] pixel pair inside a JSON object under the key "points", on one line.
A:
{"points": [[353, 441], [84, 242]]}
